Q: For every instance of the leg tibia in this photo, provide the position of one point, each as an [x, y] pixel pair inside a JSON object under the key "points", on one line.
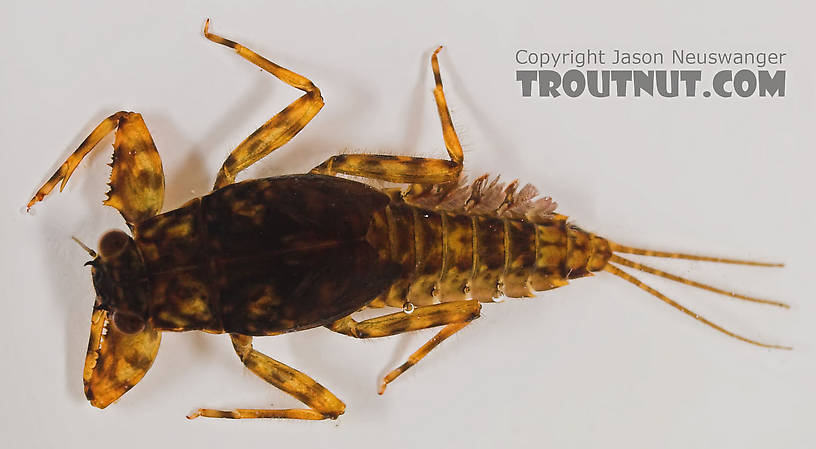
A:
{"points": [[448, 132], [420, 353], [244, 413]]}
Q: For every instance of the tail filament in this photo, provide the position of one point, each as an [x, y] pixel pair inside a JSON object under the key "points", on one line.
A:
{"points": [[616, 259], [645, 252]]}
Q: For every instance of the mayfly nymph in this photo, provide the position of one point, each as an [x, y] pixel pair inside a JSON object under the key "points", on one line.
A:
{"points": [[282, 254]]}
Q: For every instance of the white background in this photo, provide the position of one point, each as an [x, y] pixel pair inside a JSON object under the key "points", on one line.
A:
{"points": [[596, 364]]}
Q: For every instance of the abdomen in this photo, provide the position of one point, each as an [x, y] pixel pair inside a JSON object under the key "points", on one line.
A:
{"points": [[454, 256]]}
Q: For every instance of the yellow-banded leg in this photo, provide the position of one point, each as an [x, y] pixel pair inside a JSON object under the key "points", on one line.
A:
{"points": [[137, 178], [322, 403], [280, 128], [453, 315], [405, 169], [116, 361]]}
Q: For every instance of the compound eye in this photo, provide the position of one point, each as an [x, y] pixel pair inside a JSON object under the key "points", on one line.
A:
{"points": [[128, 323], [112, 243]]}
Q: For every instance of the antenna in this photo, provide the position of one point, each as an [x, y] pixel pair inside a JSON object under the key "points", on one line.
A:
{"points": [[85, 247]]}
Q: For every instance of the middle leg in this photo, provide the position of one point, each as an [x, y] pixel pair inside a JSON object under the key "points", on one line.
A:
{"points": [[279, 129], [322, 403]]}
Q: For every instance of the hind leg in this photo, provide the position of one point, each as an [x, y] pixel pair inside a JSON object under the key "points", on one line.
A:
{"points": [[453, 315], [405, 169]]}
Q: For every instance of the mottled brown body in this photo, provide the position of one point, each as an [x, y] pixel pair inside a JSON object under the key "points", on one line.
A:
{"points": [[276, 255], [264, 256]]}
